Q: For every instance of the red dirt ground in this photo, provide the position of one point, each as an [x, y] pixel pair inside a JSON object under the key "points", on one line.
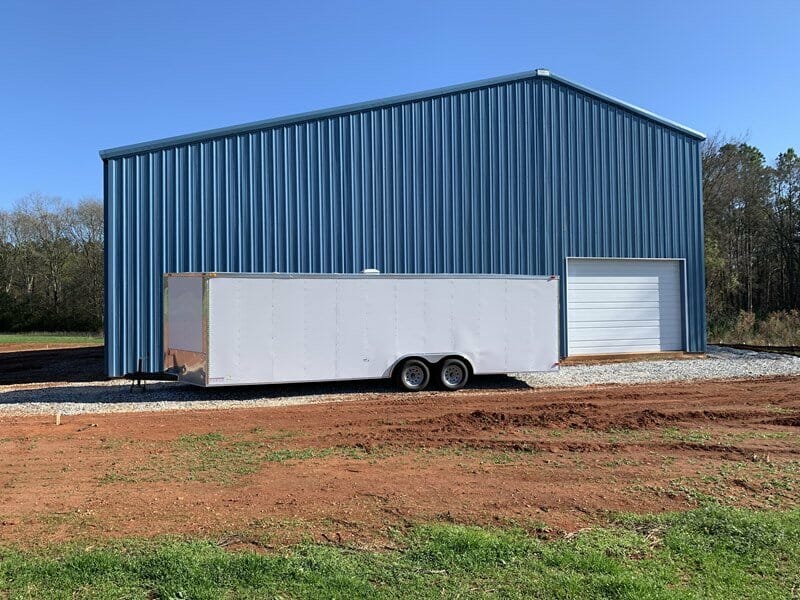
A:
{"points": [[545, 460]]}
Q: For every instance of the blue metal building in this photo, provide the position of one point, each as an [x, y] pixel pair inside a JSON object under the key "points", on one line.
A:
{"points": [[524, 174]]}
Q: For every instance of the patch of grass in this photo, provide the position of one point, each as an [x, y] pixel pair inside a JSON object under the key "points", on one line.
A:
{"points": [[693, 437], [479, 456], [50, 338], [741, 436], [761, 483], [202, 441], [281, 434], [79, 520], [113, 477], [626, 435], [621, 462], [213, 457], [196, 457], [287, 454], [707, 553]]}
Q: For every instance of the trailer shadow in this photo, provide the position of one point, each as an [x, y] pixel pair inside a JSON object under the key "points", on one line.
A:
{"points": [[163, 395]]}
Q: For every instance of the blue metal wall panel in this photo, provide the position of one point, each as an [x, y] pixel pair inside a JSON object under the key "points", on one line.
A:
{"points": [[507, 178]]}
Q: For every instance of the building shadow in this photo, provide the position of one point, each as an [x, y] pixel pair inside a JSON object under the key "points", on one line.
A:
{"points": [[41, 366]]}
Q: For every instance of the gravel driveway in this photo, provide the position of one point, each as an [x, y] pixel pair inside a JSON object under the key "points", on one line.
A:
{"points": [[720, 363], [115, 395]]}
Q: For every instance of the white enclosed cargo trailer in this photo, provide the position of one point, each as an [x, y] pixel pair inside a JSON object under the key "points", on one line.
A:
{"points": [[240, 329]]}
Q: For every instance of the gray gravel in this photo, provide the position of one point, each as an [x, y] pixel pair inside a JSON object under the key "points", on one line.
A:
{"points": [[719, 363], [115, 396]]}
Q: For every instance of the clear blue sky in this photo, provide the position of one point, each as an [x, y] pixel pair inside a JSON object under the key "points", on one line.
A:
{"points": [[76, 77]]}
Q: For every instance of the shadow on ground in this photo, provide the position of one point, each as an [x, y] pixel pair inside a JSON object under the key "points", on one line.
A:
{"points": [[41, 366], [159, 393], [85, 365]]}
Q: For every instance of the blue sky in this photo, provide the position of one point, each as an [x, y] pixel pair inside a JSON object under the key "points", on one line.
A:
{"points": [[76, 77]]}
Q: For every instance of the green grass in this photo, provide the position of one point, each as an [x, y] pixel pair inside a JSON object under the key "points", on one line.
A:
{"points": [[688, 436], [49, 338], [707, 553]]}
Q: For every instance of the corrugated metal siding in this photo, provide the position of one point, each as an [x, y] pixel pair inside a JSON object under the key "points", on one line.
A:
{"points": [[508, 178]]}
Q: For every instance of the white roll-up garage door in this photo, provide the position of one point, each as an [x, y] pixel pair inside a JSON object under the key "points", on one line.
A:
{"points": [[622, 305]]}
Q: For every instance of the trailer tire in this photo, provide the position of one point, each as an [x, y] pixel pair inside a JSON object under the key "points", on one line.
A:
{"points": [[414, 374], [453, 374]]}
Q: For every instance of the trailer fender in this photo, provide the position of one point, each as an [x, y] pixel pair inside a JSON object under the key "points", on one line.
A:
{"points": [[431, 358]]}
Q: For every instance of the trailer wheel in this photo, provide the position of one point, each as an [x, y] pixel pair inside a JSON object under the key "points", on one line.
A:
{"points": [[453, 374], [414, 375]]}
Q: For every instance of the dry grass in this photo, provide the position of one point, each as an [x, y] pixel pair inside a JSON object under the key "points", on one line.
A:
{"points": [[780, 328]]}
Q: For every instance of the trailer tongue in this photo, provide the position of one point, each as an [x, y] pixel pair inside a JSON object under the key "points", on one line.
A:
{"points": [[245, 329]]}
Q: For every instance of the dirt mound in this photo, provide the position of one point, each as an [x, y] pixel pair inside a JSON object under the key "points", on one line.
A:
{"points": [[577, 416]]}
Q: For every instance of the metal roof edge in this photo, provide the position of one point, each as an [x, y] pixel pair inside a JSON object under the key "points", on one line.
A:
{"points": [[384, 102], [631, 107]]}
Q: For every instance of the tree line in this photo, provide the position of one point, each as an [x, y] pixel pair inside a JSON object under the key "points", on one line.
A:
{"points": [[51, 265], [51, 253], [752, 243]]}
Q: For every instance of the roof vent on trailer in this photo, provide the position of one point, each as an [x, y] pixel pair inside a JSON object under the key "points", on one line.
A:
{"points": [[371, 272]]}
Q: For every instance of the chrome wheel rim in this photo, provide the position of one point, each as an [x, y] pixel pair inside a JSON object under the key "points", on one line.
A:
{"points": [[453, 375], [413, 376]]}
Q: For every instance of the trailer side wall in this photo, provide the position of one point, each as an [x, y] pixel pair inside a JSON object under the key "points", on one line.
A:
{"points": [[294, 329]]}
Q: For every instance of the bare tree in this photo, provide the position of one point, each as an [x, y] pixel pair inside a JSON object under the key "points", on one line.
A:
{"points": [[51, 265]]}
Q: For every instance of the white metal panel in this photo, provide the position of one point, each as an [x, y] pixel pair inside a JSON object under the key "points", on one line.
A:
{"points": [[624, 305], [288, 314], [185, 313], [350, 322], [319, 337], [409, 308], [239, 354], [530, 332], [465, 313], [380, 325], [492, 307], [280, 329]]}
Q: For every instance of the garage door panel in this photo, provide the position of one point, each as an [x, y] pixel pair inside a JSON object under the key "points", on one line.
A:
{"points": [[616, 293], [632, 334], [600, 344], [620, 323], [614, 348], [623, 306], [624, 292], [603, 315], [612, 289], [622, 281], [620, 284], [610, 303], [666, 330], [616, 296], [603, 267]]}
